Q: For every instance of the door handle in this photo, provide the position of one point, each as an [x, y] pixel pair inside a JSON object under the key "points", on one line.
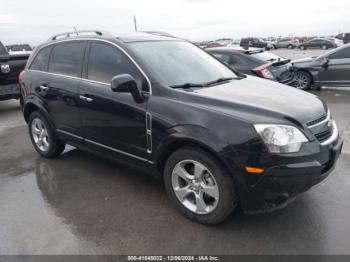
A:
{"points": [[43, 88], [86, 99]]}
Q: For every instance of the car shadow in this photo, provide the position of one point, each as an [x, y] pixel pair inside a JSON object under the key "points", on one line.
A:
{"points": [[127, 211]]}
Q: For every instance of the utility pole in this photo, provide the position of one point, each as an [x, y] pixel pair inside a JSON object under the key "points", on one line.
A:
{"points": [[135, 24]]}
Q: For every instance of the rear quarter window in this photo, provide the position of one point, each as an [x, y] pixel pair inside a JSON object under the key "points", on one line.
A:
{"points": [[66, 59], [41, 60]]}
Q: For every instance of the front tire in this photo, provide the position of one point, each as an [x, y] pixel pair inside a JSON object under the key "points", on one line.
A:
{"points": [[290, 46], [302, 47], [43, 136], [303, 80], [324, 47], [199, 186]]}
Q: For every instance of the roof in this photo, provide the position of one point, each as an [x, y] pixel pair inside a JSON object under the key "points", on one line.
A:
{"points": [[141, 36]]}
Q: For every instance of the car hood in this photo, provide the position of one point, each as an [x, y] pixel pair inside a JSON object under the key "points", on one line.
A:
{"points": [[257, 100], [304, 60]]}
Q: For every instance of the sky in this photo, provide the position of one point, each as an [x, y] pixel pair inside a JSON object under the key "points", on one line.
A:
{"points": [[34, 21]]}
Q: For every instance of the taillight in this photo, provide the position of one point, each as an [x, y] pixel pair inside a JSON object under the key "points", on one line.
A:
{"points": [[265, 73], [21, 76]]}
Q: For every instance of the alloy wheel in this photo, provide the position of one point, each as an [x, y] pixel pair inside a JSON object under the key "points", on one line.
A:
{"points": [[301, 81], [195, 187], [40, 134]]}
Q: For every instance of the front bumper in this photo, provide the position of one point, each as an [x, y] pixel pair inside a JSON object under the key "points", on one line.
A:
{"points": [[285, 178]]}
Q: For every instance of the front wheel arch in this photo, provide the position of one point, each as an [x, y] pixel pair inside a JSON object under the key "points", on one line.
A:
{"points": [[309, 74], [165, 152]]}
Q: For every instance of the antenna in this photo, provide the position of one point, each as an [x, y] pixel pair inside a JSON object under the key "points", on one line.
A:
{"points": [[135, 24], [75, 30]]}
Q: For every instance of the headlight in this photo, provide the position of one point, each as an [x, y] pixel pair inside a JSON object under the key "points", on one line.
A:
{"points": [[281, 138]]}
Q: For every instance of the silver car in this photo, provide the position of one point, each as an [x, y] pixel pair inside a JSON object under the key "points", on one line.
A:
{"points": [[287, 42]]}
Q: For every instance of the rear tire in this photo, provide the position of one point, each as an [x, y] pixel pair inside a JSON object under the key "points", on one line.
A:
{"points": [[324, 47], [303, 80], [302, 47], [43, 136], [206, 196], [290, 46]]}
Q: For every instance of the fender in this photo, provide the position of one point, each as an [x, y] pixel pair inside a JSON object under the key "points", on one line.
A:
{"points": [[31, 102], [181, 135]]}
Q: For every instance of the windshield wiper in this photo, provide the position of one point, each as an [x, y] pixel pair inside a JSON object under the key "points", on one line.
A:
{"points": [[187, 85], [219, 80]]}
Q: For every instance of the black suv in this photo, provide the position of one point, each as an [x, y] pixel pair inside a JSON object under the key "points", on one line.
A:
{"points": [[217, 138], [252, 42]]}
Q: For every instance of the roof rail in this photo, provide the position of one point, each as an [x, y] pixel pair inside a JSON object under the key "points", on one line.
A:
{"points": [[77, 33], [159, 33]]}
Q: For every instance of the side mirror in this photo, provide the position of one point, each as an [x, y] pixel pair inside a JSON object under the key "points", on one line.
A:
{"points": [[324, 62], [125, 83]]}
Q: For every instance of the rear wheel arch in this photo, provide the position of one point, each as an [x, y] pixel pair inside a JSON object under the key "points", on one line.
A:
{"points": [[28, 109], [31, 107]]}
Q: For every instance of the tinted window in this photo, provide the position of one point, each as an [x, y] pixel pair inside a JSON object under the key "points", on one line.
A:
{"points": [[66, 59], [285, 39], [222, 57], [341, 54], [238, 60], [179, 62], [106, 61], [41, 60]]}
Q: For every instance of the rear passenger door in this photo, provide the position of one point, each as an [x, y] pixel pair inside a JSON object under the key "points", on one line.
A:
{"points": [[112, 121], [56, 74]]}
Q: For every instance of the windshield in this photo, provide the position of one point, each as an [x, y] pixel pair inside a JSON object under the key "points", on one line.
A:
{"points": [[266, 56], [176, 63]]}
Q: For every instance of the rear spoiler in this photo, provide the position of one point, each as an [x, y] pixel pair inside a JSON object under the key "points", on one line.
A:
{"points": [[281, 62]]}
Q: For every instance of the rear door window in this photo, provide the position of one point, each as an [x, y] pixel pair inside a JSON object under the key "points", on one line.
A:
{"points": [[41, 60], [66, 59]]}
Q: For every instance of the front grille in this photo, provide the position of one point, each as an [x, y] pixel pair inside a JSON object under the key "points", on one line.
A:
{"points": [[316, 121], [324, 135]]}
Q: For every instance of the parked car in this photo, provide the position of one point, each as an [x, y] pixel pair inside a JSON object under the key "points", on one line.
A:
{"points": [[330, 69], [19, 49], [345, 37], [287, 42], [253, 42], [318, 43], [337, 42], [10, 67], [256, 62], [211, 44], [215, 137]]}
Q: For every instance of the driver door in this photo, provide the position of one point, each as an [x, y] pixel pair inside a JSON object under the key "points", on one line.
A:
{"points": [[337, 71]]}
